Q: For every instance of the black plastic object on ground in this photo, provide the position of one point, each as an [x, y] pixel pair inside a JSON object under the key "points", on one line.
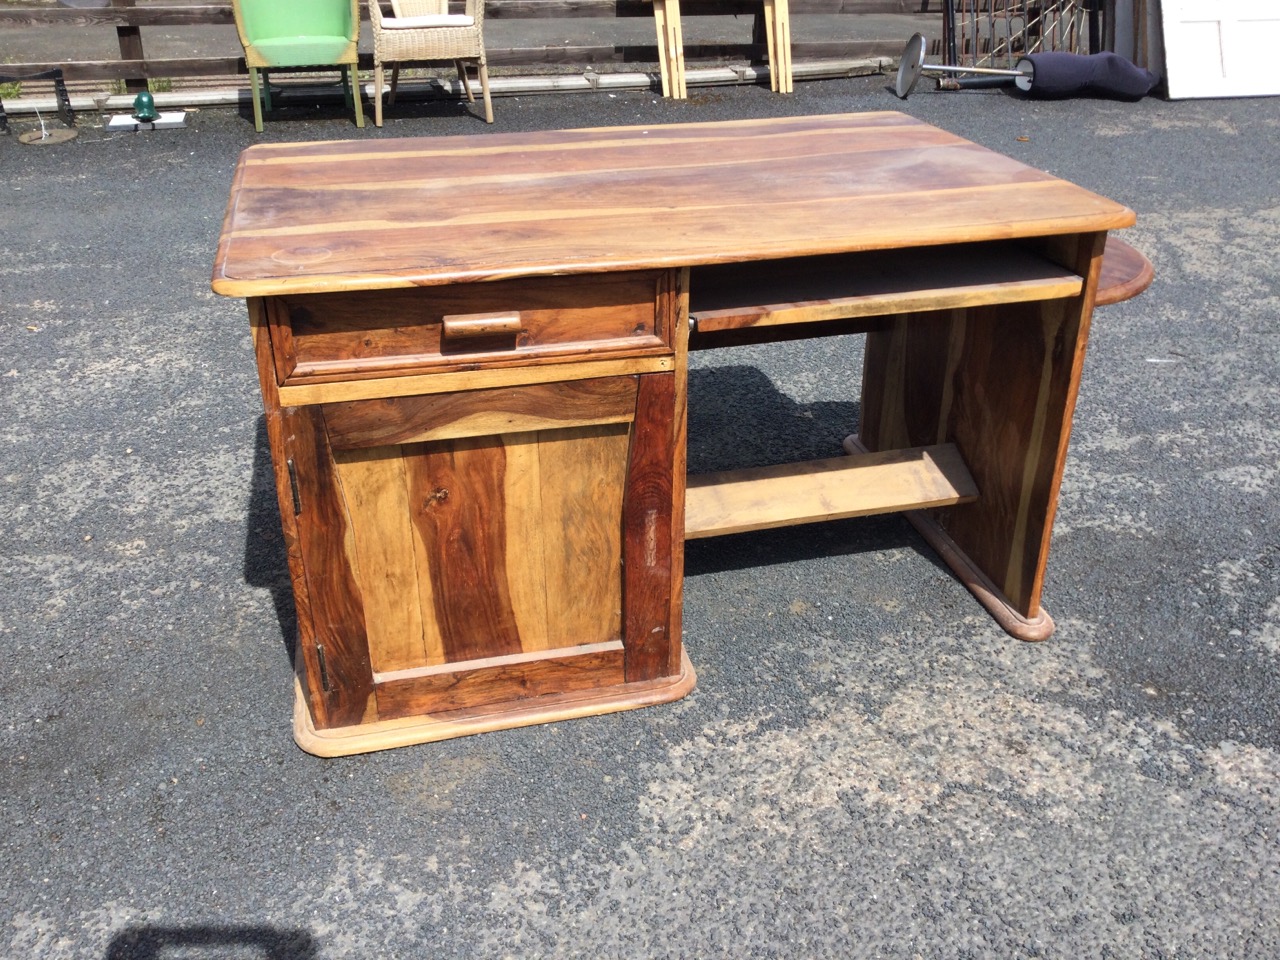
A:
{"points": [[1098, 74]]}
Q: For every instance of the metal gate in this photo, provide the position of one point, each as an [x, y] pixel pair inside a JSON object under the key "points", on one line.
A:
{"points": [[995, 33]]}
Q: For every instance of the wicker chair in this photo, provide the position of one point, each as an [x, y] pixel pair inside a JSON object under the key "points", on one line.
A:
{"points": [[292, 34], [425, 31]]}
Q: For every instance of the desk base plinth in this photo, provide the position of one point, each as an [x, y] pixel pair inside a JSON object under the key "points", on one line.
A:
{"points": [[1039, 627], [386, 734]]}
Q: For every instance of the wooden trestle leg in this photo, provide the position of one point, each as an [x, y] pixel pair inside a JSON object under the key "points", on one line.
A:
{"points": [[1000, 382]]}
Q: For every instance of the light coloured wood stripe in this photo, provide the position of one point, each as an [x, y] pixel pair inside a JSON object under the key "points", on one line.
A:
{"points": [[525, 525], [376, 497], [490, 663], [890, 481], [881, 304], [592, 139], [468, 380], [551, 211], [583, 480], [501, 422]]}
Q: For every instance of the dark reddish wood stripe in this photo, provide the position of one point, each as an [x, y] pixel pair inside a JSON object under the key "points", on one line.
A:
{"points": [[647, 588], [458, 506], [337, 613], [466, 687], [373, 423]]}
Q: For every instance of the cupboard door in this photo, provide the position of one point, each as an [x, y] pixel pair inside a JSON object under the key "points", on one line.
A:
{"points": [[477, 541]]}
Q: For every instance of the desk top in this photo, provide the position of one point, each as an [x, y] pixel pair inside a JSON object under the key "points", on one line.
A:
{"points": [[375, 214]]}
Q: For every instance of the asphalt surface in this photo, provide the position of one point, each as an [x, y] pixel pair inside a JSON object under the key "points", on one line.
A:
{"points": [[869, 767]]}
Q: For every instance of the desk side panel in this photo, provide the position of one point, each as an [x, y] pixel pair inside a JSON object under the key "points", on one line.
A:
{"points": [[309, 676], [1001, 383], [337, 655]]}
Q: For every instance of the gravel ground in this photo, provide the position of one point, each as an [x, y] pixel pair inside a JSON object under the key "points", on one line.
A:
{"points": [[869, 766]]}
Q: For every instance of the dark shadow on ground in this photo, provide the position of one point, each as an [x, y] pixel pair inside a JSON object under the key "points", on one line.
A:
{"points": [[739, 418], [156, 943], [266, 563]]}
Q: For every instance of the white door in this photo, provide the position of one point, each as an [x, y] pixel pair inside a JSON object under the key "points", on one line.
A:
{"points": [[1221, 48]]}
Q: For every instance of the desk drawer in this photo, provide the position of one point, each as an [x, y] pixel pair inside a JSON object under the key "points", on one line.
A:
{"points": [[319, 338]]}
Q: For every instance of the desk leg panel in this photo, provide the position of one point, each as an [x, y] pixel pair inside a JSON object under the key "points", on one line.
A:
{"points": [[1000, 383], [652, 544], [336, 651]]}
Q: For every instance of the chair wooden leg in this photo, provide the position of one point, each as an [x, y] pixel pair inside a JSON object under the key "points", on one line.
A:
{"points": [[257, 103], [484, 88], [377, 95], [462, 79], [355, 95], [664, 48], [782, 44], [771, 41], [266, 91], [395, 79]]}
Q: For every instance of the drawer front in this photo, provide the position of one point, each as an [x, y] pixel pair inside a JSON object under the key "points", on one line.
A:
{"points": [[320, 338]]}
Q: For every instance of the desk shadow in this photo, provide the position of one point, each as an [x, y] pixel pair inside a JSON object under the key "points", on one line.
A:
{"points": [[808, 541], [738, 418], [265, 942], [266, 563]]}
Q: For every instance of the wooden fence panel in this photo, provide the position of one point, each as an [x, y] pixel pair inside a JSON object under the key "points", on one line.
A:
{"points": [[135, 68]]}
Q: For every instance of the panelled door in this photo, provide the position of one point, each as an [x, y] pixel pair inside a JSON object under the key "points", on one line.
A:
{"points": [[470, 549]]}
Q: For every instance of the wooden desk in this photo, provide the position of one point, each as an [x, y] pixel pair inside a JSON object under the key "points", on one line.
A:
{"points": [[473, 357], [777, 25]]}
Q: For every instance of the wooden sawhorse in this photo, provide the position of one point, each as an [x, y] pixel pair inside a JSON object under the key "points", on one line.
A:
{"points": [[666, 15]]}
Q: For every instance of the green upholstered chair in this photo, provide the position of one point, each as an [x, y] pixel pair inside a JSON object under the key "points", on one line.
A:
{"points": [[292, 34]]}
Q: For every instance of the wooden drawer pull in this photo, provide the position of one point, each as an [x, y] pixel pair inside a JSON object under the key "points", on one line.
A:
{"points": [[461, 326]]}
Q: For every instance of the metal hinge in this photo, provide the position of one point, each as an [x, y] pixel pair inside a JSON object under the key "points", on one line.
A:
{"points": [[293, 486], [324, 669]]}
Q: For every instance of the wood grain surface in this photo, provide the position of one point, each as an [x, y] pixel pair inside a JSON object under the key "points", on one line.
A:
{"points": [[818, 289], [473, 356], [759, 498], [399, 213], [653, 558], [337, 652], [340, 337], [476, 413], [1000, 383], [480, 547]]}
